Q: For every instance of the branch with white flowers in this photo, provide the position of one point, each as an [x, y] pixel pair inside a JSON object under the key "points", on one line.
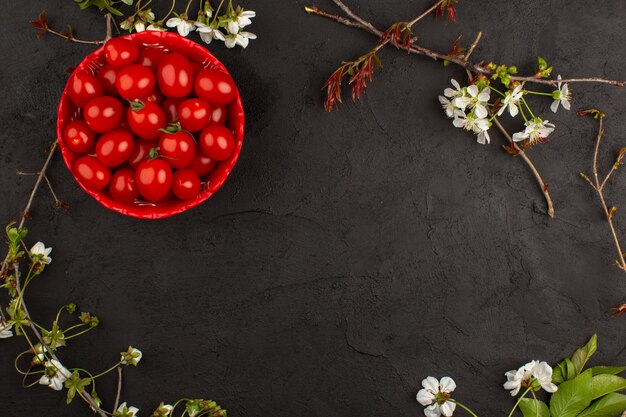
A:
{"points": [[475, 107], [40, 363], [575, 391], [226, 23]]}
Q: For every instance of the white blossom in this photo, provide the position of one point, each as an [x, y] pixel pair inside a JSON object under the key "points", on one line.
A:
{"points": [[55, 375], [208, 32], [131, 357], [511, 100], [125, 411], [536, 129], [182, 24], [435, 396], [40, 252], [471, 122], [457, 91], [561, 96], [242, 39], [156, 27], [525, 376], [475, 99], [5, 330]]}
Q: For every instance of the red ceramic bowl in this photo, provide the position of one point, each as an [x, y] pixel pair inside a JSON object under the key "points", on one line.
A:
{"points": [[68, 112]]}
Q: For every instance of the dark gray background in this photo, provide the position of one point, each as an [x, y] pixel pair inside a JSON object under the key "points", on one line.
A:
{"points": [[349, 255]]}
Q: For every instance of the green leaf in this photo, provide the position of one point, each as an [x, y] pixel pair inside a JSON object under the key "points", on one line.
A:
{"points": [[560, 373], [543, 64], [582, 355], [572, 396], [533, 408], [609, 370], [611, 405], [572, 372], [127, 2], [605, 384]]}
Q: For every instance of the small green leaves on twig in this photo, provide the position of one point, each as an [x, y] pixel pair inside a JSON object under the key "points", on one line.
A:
{"points": [[14, 238], [502, 73], [544, 70], [612, 212], [102, 5], [75, 384], [87, 318]]}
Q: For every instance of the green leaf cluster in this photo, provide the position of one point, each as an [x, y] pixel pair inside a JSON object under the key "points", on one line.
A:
{"points": [[108, 5], [582, 392]]}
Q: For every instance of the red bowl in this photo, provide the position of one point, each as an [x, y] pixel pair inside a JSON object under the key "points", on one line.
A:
{"points": [[68, 112]]}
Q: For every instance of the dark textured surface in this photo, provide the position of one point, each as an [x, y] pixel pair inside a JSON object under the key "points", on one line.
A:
{"points": [[349, 254]]}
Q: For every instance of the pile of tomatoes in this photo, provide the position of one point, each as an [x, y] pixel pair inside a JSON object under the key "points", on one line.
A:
{"points": [[151, 124]]}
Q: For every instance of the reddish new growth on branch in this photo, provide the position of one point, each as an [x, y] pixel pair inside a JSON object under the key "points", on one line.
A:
{"points": [[447, 7]]}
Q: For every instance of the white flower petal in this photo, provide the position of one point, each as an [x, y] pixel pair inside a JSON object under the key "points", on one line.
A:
{"points": [[425, 397], [431, 384], [447, 408], [433, 411]]}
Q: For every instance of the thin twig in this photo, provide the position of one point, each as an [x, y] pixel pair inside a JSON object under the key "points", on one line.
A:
{"points": [[5, 263], [466, 57], [426, 13], [358, 22], [109, 20], [599, 187], [542, 185], [119, 388], [72, 38]]}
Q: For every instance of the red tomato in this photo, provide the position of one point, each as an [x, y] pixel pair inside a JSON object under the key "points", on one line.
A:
{"points": [[156, 97], [154, 179], [185, 184], [115, 147], [216, 87], [202, 165], [217, 142], [91, 173], [78, 137], [145, 120], [103, 113], [107, 77], [84, 87], [178, 149], [135, 82], [122, 186], [151, 57], [120, 52], [170, 105], [141, 150], [194, 114], [220, 115], [175, 76]]}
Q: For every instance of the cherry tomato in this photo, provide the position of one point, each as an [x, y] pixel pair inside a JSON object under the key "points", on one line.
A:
{"points": [[194, 114], [185, 184], [175, 76], [156, 97], [91, 173], [178, 149], [216, 87], [84, 87], [103, 113], [141, 151], [151, 57], [78, 137], [217, 142], [154, 179], [170, 105], [202, 165], [219, 115], [146, 121], [120, 52], [115, 147], [122, 186], [135, 82], [107, 76]]}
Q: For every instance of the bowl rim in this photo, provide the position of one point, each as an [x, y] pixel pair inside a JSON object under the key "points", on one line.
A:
{"points": [[67, 112]]}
